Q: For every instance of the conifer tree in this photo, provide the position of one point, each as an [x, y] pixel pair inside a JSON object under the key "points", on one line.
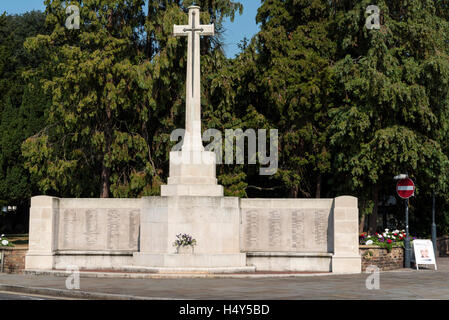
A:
{"points": [[92, 143], [117, 88], [392, 98], [17, 119]]}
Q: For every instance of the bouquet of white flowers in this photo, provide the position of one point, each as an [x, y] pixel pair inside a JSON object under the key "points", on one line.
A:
{"points": [[5, 242]]}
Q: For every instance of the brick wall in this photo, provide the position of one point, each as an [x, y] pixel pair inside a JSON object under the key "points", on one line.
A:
{"points": [[380, 257], [13, 260]]}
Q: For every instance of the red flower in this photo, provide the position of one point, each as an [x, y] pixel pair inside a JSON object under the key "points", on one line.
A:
{"points": [[389, 241]]}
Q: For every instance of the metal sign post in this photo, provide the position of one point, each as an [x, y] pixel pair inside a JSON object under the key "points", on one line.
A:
{"points": [[405, 189], [407, 238], [434, 226]]}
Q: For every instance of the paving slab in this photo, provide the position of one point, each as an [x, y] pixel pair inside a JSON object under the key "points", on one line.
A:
{"points": [[394, 285]]}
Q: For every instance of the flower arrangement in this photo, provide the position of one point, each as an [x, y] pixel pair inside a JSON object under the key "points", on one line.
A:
{"points": [[184, 240], [387, 239], [5, 242]]}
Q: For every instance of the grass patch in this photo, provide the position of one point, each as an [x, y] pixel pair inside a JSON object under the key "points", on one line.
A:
{"points": [[16, 235], [20, 242]]}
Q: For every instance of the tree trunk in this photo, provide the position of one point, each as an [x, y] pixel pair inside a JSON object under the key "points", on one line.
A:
{"points": [[294, 192], [373, 217], [318, 186], [362, 223], [150, 35], [105, 174], [105, 169]]}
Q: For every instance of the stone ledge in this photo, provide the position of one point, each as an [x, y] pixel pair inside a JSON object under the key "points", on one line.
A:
{"points": [[161, 260], [293, 203], [134, 275], [12, 249], [180, 270], [198, 190], [363, 246], [289, 254], [93, 253]]}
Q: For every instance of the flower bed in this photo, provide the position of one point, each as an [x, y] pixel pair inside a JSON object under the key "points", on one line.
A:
{"points": [[384, 250], [387, 239]]}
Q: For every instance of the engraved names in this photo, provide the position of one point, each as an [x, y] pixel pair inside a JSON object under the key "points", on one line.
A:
{"points": [[252, 230], [69, 223], [113, 229], [134, 223], [298, 230], [98, 229], [285, 230], [274, 233], [91, 228], [320, 232]]}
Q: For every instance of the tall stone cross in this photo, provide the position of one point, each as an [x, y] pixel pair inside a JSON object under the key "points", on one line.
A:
{"points": [[192, 138]]}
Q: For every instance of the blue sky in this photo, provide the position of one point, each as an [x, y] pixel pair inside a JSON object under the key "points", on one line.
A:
{"points": [[243, 26]]}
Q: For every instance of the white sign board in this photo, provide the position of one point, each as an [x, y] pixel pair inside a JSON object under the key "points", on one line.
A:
{"points": [[424, 253]]}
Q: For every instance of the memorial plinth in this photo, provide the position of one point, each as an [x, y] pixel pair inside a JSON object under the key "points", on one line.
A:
{"points": [[192, 173], [213, 221]]}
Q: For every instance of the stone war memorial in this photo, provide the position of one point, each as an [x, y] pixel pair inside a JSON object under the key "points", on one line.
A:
{"points": [[233, 235]]}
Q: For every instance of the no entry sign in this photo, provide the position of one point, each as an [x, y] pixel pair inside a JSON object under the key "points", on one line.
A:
{"points": [[405, 188]]}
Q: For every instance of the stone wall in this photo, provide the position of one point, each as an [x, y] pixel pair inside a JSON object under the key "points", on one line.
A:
{"points": [[301, 234], [13, 260], [96, 226], [90, 233], [269, 234], [286, 225], [381, 258], [287, 234]]}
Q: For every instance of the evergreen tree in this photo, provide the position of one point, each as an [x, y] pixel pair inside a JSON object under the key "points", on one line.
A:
{"points": [[168, 56], [289, 85], [391, 115], [117, 88], [17, 120]]}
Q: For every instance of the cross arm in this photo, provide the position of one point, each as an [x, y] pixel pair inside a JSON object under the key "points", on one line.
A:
{"points": [[208, 30], [179, 30]]}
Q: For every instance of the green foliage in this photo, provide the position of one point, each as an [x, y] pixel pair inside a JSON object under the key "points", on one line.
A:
{"points": [[354, 107], [22, 105], [94, 127], [392, 114], [117, 88]]}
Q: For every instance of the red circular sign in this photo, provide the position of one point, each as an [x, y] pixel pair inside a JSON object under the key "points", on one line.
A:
{"points": [[405, 188]]}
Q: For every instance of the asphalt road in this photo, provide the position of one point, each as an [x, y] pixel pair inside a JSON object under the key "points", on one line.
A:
{"points": [[20, 296]]}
